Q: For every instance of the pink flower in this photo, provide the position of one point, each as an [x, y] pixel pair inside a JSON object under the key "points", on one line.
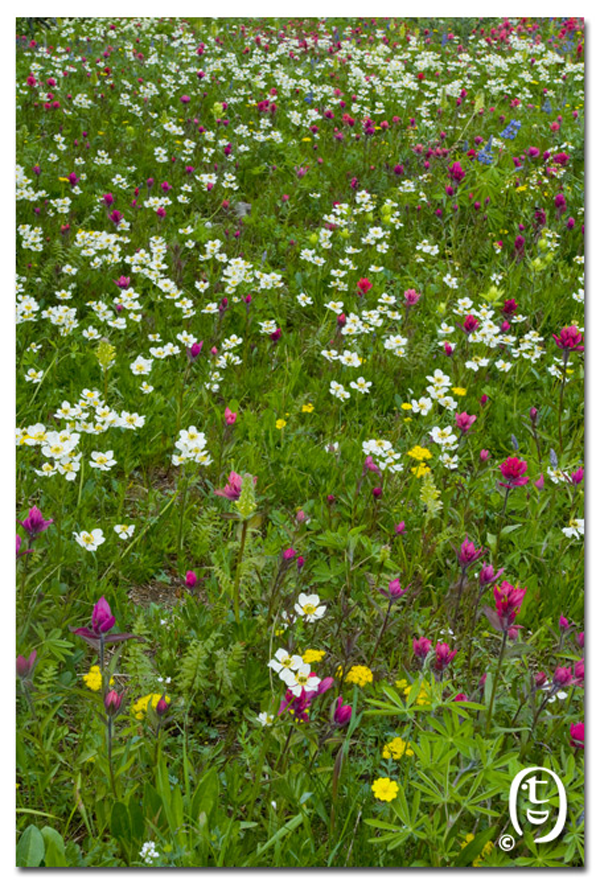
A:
{"points": [[562, 676], [470, 324], [35, 523], [487, 576], [563, 623], [508, 603], [342, 714], [443, 656], [364, 285], [569, 339], [394, 591], [467, 554], [233, 489], [25, 665], [513, 471], [230, 416], [112, 703], [421, 647], [577, 735], [465, 421], [411, 297], [191, 579], [456, 172]]}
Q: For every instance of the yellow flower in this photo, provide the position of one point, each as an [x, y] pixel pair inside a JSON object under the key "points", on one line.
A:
{"points": [[406, 406], [421, 470], [93, 679], [419, 453], [311, 656], [140, 707], [385, 789], [423, 698], [360, 675], [308, 407], [280, 424], [396, 749], [459, 391]]}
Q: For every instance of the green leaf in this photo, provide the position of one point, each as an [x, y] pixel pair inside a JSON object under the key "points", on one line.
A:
{"points": [[55, 849], [120, 827], [31, 848], [472, 850]]}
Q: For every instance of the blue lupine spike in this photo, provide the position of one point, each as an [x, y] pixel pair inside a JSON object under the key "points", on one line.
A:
{"points": [[488, 146]]}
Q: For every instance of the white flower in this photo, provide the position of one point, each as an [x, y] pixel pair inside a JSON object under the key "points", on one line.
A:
{"points": [[90, 540], [338, 391], [309, 607], [574, 528], [102, 460], [422, 406], [284, 660], [265, 719], [361, 385], [149, 852], [124, 531], [300, 679], [141, 365]]}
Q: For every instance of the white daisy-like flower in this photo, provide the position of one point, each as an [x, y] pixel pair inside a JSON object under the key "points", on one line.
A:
{"points": [[124, 531], [361, 385], [266, 719], [90, 540], [575, 528], [309, 607], [300, 679], [338, 391], [102, 460], [284, 660]]}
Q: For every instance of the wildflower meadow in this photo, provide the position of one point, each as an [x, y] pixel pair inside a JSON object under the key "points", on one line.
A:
{"points": [[299, 448]]}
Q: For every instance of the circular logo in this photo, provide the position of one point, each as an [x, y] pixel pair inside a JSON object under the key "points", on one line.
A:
{"points": [[506, 842]]}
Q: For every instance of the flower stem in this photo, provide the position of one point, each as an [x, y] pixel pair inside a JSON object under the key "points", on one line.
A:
{"points": [[496, 679], [238, 573]]}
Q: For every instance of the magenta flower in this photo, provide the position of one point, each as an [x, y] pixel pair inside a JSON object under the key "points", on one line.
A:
{"points": [[467, 554], [122, 282], [577, 735], [233, 489], [35, 523], [163, 706], [20, 552], [456, 172], [421, 647], [400, 528], [443, 656], [289, 554], [508, 604], [230, 416], [103, 621], [394, 591], [112, 703], [342, 714], [569, 339], [577, 476], [487, 576], [411, 297], [465, 421], [25, 665], [563, 623], [562, 676], [191, 579], [470, 324], [513, 471]]}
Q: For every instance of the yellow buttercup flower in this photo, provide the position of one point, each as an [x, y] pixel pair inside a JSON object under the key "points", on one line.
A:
{"points": [[406, 406], [385, 789], [419, 453], [308, 407], [93, 679], [280, 424], [396, 748], [311, 656], [459, 391], [360, 675]]}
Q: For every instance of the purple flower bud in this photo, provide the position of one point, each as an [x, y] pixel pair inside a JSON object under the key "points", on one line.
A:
{"points": [[342, 714], [112, 702], [325, 684], [191, 579], [25, 665], [289, 554]]}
